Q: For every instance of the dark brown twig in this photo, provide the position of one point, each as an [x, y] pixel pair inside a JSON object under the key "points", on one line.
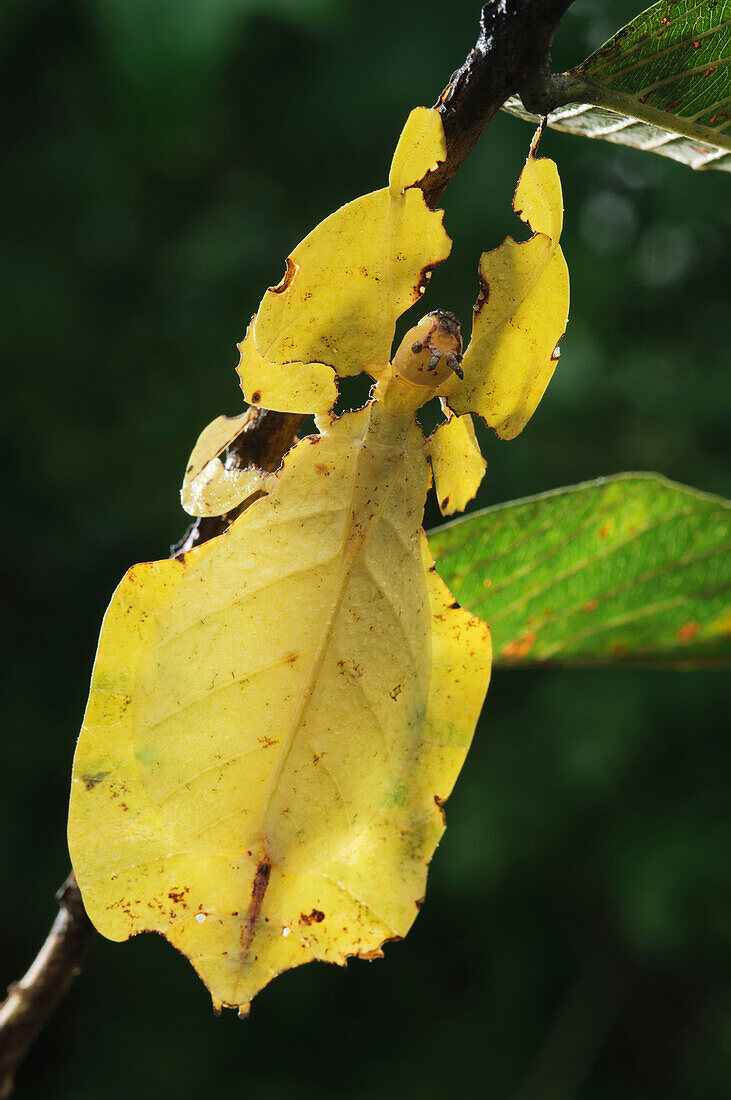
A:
{"points": [[514, 43], [515, 38], [32, 1000]]}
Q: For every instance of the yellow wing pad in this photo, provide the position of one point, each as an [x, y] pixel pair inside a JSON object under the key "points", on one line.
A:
{"points": [[457, 463], [520, 314], [349, 280], [210, 488]]}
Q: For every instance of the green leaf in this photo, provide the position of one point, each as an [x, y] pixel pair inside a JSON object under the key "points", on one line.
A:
{"points": [[662, 83], [632, 569]]}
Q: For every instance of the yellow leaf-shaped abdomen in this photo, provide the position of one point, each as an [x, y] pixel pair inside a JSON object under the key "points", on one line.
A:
{"points": [[257, 771]]}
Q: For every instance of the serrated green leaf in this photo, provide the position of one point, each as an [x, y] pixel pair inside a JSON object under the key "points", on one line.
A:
{"points": [[662, 83], [632, 569]]}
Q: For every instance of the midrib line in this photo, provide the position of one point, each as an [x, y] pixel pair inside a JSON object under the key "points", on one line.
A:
{"points": [[347, 567]]}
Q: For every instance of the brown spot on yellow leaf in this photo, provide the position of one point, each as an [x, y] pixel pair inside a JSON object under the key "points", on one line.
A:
{"points": [[289, 274], [258, 890], [350, 668], [483, 294], [90, 781], [315, 917]]}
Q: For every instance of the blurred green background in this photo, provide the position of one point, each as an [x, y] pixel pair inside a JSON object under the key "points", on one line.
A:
{"points": [[161, 158]]}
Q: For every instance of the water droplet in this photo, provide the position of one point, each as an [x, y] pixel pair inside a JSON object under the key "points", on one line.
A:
{"points": [[200, 917], [286, 931]]}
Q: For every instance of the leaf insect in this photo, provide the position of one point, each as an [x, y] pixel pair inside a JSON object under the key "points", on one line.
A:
{"points": [[277, 717]]}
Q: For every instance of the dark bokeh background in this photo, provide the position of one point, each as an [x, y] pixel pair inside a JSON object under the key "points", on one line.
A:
{"points": [[160, 158]]}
